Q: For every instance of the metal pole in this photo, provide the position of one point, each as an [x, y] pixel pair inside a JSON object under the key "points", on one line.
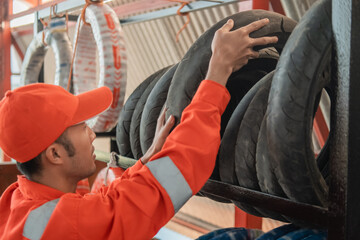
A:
{"points": [[5, 44], [345, 151]]}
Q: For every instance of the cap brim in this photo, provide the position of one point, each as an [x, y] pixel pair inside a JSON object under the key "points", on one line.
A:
{"points": [[92, 103]]}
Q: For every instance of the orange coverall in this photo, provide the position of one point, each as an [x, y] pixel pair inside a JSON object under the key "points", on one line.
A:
{"points": [[134, 206]]}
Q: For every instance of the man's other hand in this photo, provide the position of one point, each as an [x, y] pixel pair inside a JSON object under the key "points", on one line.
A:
{"points": [[162, 131]]}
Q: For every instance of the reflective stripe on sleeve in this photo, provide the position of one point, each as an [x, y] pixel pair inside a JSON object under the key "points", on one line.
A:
{"points": [[38, 219], [171, 179]]}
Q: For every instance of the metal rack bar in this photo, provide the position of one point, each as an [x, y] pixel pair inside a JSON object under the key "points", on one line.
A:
{"points": [[314, 215]]}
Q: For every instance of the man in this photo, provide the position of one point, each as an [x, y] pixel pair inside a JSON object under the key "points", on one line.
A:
{"points": [[46, 124]]}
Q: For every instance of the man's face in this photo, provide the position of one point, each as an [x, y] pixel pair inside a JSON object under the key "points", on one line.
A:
{"points": [[82, 164]]}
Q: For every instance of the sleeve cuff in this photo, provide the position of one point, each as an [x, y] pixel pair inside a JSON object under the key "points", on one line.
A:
{"points": [[213, 93], [136, 167]]}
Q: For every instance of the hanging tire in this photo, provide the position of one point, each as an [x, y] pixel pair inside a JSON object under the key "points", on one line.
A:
{"points": [[59, 42], [105, 36], [136, 117], [295, 85], [152, 109], [193, 67]]}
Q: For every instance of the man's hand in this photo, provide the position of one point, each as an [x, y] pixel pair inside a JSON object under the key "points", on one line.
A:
{"points": [[162, 131], [231, 50]]}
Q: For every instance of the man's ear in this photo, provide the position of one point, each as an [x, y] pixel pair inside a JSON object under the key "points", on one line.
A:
{"points": [[54, 153]]}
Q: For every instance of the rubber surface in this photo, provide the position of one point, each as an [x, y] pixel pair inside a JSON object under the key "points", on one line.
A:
{"points": [[295, 85], [152, 108], [136, 117], [226, 154], [123, 125], [193, 67]]}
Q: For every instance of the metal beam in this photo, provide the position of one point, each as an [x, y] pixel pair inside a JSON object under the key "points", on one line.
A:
{"points": [[344, 150], [194, 6], [33, 2], [43, 11], [37, 8]]}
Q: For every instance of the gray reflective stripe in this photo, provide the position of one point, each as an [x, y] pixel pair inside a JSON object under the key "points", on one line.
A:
{"points": [[170, 178], [38, 219]]}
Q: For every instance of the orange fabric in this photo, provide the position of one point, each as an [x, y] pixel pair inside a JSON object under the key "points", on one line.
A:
{"points": [[100, 178], [83, 187], [33, 116], [134, 206]]}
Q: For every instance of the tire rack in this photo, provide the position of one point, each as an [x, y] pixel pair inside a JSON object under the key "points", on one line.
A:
{"points": [[342, 217]]}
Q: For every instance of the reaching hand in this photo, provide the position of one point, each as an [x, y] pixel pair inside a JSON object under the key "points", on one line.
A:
{"points": [[162, 131], [231, 50]]}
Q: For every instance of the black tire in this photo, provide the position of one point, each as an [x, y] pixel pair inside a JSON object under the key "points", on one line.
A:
{"points": [[136, 117], [152, 109], [193, 67], [245, 148], [226, 156], [264, 165], [247, 137], [295, 85], [242, 81], [123, 125], [238, 85]]}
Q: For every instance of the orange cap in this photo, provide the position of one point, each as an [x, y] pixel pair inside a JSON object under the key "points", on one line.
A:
{"points": [[33, 116]]}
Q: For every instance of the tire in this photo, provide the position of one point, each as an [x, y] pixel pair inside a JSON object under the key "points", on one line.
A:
{"points": [[245, 148], [105, 36], [247, 137], [136, 117], [152, 109], [59, 42], [226, 156], [264, 166], [295, 85], [123, 125], [193, 67], [240, 82]]}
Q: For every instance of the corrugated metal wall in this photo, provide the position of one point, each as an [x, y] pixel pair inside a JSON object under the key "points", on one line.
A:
{"points": [[296, 8], [152, 45]]}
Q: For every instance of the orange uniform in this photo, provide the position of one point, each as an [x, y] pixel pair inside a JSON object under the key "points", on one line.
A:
{"points": [[134, 206]]}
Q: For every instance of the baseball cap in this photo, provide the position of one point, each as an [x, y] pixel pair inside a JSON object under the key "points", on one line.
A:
{"points": [[33, 116]]}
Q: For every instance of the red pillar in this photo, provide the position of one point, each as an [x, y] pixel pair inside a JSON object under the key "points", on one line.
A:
{"points": [[245, 220], [277, 6], [320, 127], [261, 4], [5, 44]]}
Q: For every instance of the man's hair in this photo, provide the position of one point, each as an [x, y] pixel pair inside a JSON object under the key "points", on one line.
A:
{"points": [[34, 166]]}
